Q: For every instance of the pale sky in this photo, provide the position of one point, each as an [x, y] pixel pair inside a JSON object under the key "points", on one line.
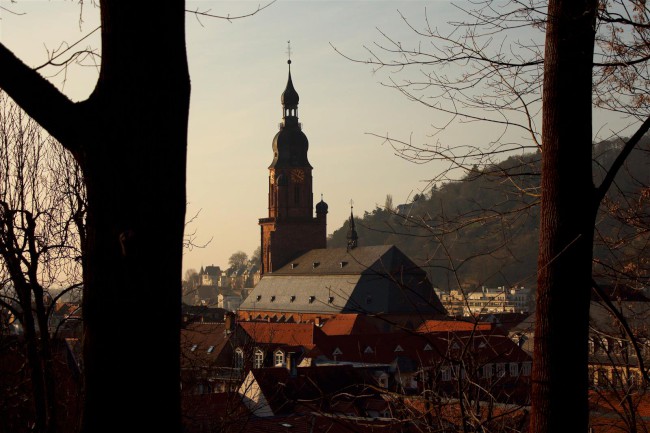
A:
{"points": [[238, 71]]}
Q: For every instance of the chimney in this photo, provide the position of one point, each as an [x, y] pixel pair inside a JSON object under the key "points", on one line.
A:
{"points": [[291, 364], [230, 322], [317, 321]]}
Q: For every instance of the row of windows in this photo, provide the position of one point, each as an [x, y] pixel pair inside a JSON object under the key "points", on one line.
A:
{"points": [[258, 358], [310, 299], [499, 369], [614, 378]]}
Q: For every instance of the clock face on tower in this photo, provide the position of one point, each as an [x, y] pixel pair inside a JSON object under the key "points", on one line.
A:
{"points": [[298, 175]]}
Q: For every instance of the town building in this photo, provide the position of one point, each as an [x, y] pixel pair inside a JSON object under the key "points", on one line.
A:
{"points": [[302, 280], [487, 300]]}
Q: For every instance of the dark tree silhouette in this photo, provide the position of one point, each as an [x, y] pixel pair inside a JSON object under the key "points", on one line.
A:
{"points": [[130, 139]]}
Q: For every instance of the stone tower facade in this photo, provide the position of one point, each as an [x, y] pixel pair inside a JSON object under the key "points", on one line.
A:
{"points": [[290, 228]]}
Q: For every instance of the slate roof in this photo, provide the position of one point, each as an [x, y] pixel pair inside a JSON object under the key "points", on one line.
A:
{"points": [[422, 349], [316, 386], [376, 279], [636, 313], [203, 343]]}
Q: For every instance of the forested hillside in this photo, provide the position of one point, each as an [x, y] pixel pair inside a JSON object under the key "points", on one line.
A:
{"points": [[483, 228]]}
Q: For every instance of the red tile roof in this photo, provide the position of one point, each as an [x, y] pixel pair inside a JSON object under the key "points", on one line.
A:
{"points": [[288, 334], [452, 325], [347, 324]]}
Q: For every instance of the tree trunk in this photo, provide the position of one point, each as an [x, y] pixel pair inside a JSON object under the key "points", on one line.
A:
{"points": [[130, 139], [560, 379], [134, 168]]}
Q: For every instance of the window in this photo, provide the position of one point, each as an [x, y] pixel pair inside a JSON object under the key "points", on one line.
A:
{"points": [[258, 361], [514, 369], [259, 297], [427, 347], [445, 374], [526, 368], [194, 346], [292, 298], [487, 370], [604, 344], [330, 299], [311, 299], [399, 349], [272, 298], [278, 359], [592, 346], [368, 350], [239, 358], [501, 369], [210, 349]]}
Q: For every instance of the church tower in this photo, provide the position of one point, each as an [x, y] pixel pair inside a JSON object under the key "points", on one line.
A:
{"points": [[290, 228]]}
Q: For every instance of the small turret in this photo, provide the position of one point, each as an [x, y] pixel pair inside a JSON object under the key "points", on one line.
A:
{"points": [[353, 238]]}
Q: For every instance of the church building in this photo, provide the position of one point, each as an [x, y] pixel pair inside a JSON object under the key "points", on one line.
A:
{"points": [[302, 280]]}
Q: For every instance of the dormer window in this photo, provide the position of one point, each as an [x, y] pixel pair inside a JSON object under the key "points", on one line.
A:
{"points": [[239, 358], [368, 350], [337, 351], [259, 297], [342, 264], [292, 298], [315, 265], [210, 349], [399, 349], [311, 299], [278, 358], [427, 347], [330, 299], [194, 346], [294, 265], [272, 298]]}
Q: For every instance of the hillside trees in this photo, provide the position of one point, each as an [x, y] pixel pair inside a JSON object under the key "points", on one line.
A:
{"points": [[594, 54]]}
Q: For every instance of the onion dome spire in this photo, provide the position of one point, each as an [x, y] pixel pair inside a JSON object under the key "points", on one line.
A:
{"points": [[353, 238], [321, 206], [290, 97]]}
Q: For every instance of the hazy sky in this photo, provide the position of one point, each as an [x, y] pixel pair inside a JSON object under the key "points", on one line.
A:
{"points": [[238, 72]]}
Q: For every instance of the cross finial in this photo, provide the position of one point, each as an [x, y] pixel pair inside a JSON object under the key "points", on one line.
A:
{"points": [[289, 50], [351, 204]]}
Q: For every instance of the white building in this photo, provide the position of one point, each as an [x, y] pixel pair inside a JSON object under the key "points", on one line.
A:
{"points": [[487, 300]]}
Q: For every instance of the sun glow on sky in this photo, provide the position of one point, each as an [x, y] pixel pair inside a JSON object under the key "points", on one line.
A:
{"points": [[238, 71]]}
